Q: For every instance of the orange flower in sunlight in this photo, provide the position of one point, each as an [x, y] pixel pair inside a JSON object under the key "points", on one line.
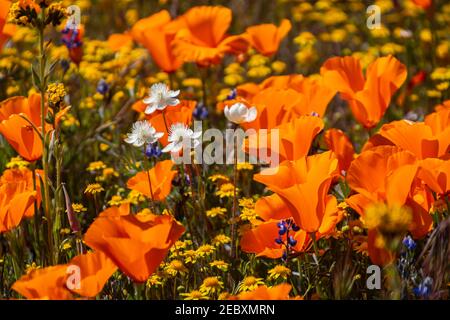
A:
{"points": [[6, 29], [156, 33], [273, 107], [47, 284], [118, 41], [428, 139], [261, 240], [278, 292], [338, 142], [295, 138], [303, 185], [14, 207], [17, 196], [161, 176], [95, 270], [18, 131], [92, 270], [203, 38], [424, 4], [369, 96], [389, 174], [436, 174], [181, 113], [136, 243], [266, 38], [312, 95]]}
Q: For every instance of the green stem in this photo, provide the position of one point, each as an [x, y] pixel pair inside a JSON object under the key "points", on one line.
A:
{"points": [[43, 86]]}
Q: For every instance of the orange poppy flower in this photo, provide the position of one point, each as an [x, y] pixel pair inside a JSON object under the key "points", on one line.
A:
{"points": [[289, 133], [297, 136], [47, 284], [117, 41], [260, 239], [369, 96], [14, 207], [436, 174], [18, 180], [136, 243], [272, 106], [303, 185], [154, 21], [156, 33], [278, 292], [161, 176], [203, 39], [272, 207], [429, 139], [6, 29], [95, 268], [424, 4], [181, 113], [389, 174], [266, 38], [338, 142], [18, 131], [313, 95]]}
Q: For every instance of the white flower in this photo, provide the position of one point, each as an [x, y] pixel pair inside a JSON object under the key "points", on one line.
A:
{"points": [[142, 133], [160, 97], [239, 113], [179, 133]]}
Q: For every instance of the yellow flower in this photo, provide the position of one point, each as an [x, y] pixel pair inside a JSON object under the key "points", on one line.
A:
{"points": [[154, 281], [219, 264], [216, 212], [218, 177], [17, 162], [192, 82], [194, 295], [250, 283], [115, 201], [221, 239], [135, 197], [233, 80], [248, 214], [96, 166], [64, 231], [66, 246], [56, 93], [78, 208], [205, 250], [394, 219], [190, 256], [305, 39], [175, 267], [247, 203], [258, 72], [31, 267], [107, 173], [211, 285], [226, 190], [279, 271], [244, 166], [425, 35], [93, 188], [434, 93], [278, 66], [442, 86]]}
